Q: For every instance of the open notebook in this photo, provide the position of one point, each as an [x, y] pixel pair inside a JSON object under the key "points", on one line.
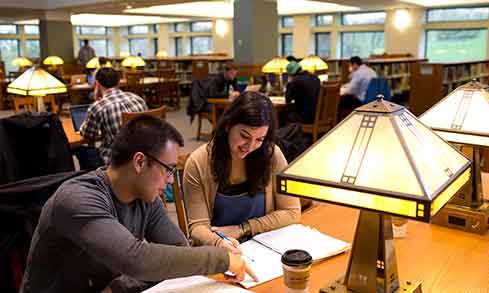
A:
{"points": [[194, 284], [263, 253]]}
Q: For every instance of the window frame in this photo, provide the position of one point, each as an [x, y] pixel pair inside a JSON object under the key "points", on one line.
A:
{"points": [[282, 21], [191, 23], [79, 30], [342, 55], [316, 16], [282, 41], [191, 38], [130, 27], [17, 31], [427, 21], [316, 51], [342, 22]]}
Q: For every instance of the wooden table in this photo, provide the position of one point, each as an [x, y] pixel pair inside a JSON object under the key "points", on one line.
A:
{"points": [[75, 139], [445, 260], [88, 87]]}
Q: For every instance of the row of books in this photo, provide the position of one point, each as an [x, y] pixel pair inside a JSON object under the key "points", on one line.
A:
{"points": [[465, 72]]}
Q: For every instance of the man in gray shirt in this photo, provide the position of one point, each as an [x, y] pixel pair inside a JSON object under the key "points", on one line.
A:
{"points": [[111, 223], [85, 53]]}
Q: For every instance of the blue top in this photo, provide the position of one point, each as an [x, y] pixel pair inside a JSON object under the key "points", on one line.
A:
{"points": [[360, 79], [233, 205]]}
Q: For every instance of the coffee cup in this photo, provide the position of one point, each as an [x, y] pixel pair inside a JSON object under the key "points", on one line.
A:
{"points": [[296, 264]]}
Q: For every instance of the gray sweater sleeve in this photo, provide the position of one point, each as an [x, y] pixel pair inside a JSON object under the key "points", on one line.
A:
{"points": [[161, 229], [84, 218]]}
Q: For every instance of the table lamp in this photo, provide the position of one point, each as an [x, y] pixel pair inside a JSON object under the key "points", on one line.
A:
{"points": [[461, 118], [95, 64], [385, 162], [162, 54], [53, 61], [278, 66], [36, 82], [22, 62], [313, 64], [133, 62]]}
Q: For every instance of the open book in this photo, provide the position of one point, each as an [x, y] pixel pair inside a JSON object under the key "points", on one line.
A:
{"points": [[194, 284], [263, 253]]}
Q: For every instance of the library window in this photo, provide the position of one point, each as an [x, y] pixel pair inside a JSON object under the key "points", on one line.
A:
{"points": [[457, 14], [201, 26], [286, 46], [8, 29], [200, 45], [138, 29], [322, 44], [9, 49], [179, 27], [138, 47], [323, 20], [31, 29], [456, 45], [363, 18], [361, 44], [287, 21], [91, 30], [177, 46], [32, 49]]}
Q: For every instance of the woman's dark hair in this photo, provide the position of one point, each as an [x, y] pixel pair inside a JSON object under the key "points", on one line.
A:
{"points": [[251, 109]]}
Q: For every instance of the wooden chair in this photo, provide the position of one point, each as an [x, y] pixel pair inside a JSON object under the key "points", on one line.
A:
{"points": [[134, 83], [167, 91], [158, 112], [179, 196], [27, 103], [326, 110]]}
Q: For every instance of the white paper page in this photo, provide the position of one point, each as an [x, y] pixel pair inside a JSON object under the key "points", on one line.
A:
{"points": [[298, 236], [265, 263], [194, 284]]}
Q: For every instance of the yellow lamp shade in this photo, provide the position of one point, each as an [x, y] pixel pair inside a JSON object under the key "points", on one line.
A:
{"points": [[461, 117], [276, 65], [162, 54], [313, 64], [94, 63], [380, 158], [36, 82], [133, 62], [53, 60], [21, 62]]}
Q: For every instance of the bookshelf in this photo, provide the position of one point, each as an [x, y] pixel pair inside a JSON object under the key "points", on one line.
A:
{"points": [[433, 81]]}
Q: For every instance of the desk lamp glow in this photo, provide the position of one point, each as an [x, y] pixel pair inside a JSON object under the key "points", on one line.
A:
{"points": [[278, 66], [162, 54], [382, 160], [313, 64], [53, 61], [133, 62], [461, 118], [22, 62], [36, 82], [95, 64]]}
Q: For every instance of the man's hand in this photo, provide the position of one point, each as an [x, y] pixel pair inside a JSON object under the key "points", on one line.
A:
{"points": [[239, 268], [233, 95]]}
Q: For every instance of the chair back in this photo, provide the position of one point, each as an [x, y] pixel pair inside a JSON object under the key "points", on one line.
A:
{"points": [[179, 196], [27, 103], [158, 112], [134, 83], [377, 86], [327, 104]]}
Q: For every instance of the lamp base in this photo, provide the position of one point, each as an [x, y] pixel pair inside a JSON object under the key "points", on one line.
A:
{"points": [[338, 286], [472, 220]]}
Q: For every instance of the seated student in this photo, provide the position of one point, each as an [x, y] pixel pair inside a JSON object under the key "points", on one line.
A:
{"points": [[227, 183], [302, 88], [104, 117], [109, 227], [353, 94], [224, 84]]}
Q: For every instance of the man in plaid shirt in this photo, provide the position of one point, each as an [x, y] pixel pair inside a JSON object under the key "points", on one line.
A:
{"points": [[104, 117]]}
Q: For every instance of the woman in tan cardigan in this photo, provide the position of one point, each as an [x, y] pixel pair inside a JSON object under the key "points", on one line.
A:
{"points": [[228, 183]]}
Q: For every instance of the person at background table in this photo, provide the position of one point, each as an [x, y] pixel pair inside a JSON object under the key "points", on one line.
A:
{"points": [[85, 53], [104, 117], [302, 89], [353, 93], [109, 227], [224, 84], [228, 182]]}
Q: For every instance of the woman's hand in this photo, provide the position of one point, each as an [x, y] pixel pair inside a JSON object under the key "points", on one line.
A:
{"points": [[231, 244]]}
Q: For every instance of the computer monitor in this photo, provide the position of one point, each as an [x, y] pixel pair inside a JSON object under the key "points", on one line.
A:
{"points": [[78, 115]]}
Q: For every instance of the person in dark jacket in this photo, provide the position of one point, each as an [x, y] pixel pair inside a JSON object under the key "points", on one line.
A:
{"points": [[302, 88]]}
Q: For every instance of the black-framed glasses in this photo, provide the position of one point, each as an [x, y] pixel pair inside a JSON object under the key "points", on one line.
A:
{"points": [[169, 170]]}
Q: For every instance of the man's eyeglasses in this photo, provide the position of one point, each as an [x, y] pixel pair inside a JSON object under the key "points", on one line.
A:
{"points": [[169, 170]]}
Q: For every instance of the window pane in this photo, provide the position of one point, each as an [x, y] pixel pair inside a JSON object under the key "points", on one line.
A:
{"points": [[31, 29], [9, 50], [458, 14], [200, 45], [32, 49], [138, 47], [92, 30], [363, 18], [361, 43], [323, 20], [456, 45], [287, 21], [8, 29], [286, 44], [323, 46], [201, 26], [177, 46], [138, 29], [179, 27]]}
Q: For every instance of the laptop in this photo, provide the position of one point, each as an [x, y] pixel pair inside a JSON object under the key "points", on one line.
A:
{"points": [[78, 115]]}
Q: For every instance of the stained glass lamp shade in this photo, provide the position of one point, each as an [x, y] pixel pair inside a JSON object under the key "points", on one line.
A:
{"points": [[21, 62], [94, 63], [276, 65], [133, 62], [53, 60], [384, 161], [313, 64]]}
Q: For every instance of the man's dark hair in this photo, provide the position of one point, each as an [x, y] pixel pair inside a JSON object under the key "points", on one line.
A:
{"points": [[102, 61], [230, 66], [291, 58], [107, 77], [85, 42], [356, 60], [146, 134]]}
